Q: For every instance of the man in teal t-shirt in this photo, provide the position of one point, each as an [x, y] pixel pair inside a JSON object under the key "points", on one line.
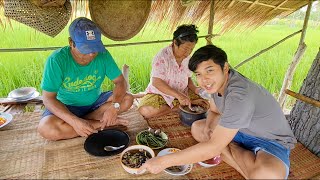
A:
{"points": [[71, 84]]}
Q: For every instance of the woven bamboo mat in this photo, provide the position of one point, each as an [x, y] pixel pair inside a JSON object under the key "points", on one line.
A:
{"points": [[25, 155], [304, 164]]}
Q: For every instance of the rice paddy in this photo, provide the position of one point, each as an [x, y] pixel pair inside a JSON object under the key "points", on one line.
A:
{"points": [[20, 69]]}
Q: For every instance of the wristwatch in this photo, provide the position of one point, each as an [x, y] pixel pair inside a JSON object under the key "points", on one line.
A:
{"points": [[116, 106]]}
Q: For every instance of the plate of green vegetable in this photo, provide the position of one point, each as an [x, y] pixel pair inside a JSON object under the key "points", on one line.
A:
{"points": [[151, 139]]}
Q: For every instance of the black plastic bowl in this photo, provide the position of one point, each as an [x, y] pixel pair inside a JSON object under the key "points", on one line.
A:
{"points": [[188, 117], [96, 142]]}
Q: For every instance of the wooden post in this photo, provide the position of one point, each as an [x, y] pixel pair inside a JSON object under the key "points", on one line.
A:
{"points": [[125, 73], [211, 20], [300, 51]]}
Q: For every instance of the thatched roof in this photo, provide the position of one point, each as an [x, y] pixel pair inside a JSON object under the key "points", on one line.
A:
{"points": [[228, 13]]}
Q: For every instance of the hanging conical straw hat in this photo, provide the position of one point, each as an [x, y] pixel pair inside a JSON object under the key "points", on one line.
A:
{"points": [[49, 20], [120, 20]]}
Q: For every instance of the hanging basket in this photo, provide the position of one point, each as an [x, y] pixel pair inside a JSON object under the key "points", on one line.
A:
{"points": [[48, 20], [48, 3], [119, 20]]}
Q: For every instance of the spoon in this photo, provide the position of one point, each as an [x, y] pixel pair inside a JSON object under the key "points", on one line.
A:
{"points": [[112, 148], [192, 108], [154, 131]]}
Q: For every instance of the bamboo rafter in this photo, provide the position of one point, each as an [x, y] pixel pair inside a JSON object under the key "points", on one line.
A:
{"points": [[266, 5], [277, 7], [251, 6], [231, 3], [109, 45]]}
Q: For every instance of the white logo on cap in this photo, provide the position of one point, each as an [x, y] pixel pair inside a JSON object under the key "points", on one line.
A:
{"points": [[90, 35]]}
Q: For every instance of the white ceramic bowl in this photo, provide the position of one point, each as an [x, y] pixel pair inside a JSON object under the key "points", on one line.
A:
{"points": [[22, 93], [210, 162], [185, 169], [135, 147]]}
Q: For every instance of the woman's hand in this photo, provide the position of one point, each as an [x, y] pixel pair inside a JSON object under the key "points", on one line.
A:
{"points": [[184, 100], [197, 90]]}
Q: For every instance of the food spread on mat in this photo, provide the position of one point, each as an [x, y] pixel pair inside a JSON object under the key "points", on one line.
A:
{"points": [[153, 139], [135, 158], [2, 120]]}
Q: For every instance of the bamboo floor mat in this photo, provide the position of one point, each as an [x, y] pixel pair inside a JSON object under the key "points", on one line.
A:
{"points": [[25, 155], [304, 164]]}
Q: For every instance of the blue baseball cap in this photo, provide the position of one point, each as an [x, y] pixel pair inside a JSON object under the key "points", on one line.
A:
{"points": [[86, 36]]}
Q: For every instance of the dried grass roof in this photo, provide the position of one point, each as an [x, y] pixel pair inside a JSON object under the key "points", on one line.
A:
{"points": [[228, 13]]}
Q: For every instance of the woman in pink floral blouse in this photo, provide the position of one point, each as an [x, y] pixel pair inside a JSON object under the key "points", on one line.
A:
{"points": [[170, 81]]}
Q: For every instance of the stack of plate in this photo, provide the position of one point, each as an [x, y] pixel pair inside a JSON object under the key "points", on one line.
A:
{"points": [[24, 94]]}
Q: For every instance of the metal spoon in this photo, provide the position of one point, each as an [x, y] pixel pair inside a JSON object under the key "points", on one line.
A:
{"points": [[192, 108], [113, 148], [154, 131]]}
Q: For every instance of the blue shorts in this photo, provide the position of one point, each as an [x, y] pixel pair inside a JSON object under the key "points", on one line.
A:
{"points": [[256, 144], [81, 111]]}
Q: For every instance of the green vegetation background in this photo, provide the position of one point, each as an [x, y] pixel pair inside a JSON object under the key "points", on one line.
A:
{"points": [[19, 69]]}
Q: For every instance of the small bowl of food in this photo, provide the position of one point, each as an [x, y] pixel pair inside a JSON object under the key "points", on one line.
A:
{"points": [[198, 111], [175, 170], [134, 156], [22, 93], [5, 118], [155, 139], [210, 162]]}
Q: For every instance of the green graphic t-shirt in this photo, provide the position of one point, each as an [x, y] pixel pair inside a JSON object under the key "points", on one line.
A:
{"points": [[75, 84]]}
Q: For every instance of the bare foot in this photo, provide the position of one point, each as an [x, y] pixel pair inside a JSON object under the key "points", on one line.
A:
{"points": [[121, 121]]}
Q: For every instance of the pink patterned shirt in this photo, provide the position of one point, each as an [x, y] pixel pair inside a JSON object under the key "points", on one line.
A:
{"points": [[165, 67]]}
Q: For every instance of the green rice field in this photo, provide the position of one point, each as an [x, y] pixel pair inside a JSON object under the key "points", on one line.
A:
{"points": [[20, 69]]}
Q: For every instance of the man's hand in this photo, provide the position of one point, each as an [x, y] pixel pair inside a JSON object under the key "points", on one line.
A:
{"points": [[153, 165], [109, 117], [83, 128]]}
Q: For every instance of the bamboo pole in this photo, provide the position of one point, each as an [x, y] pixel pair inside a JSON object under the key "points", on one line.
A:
{"points": [[267, 49], [109, 45], [303, 98], [211, 20], [296, 59]]}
